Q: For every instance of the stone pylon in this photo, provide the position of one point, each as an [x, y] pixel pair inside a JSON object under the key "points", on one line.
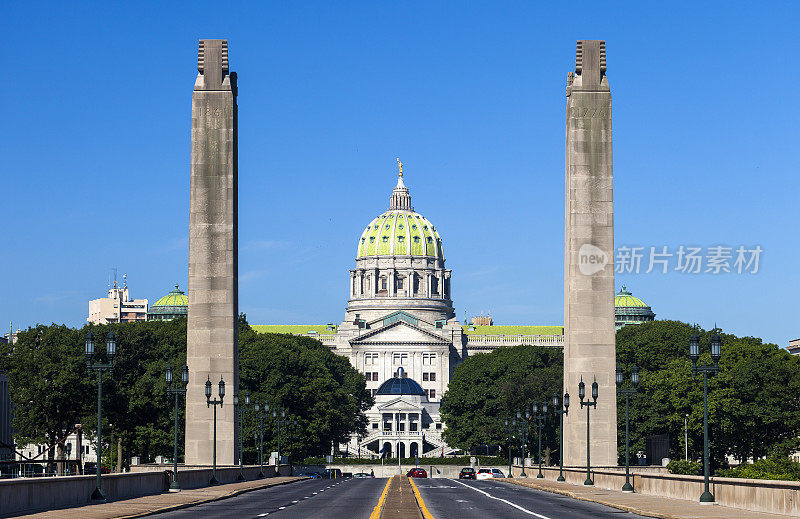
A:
{"points": [[212, 337], [589, 349]]}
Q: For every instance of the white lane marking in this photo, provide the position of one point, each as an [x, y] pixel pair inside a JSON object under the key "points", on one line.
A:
{"points": [[487, 494], [281, 508], [305, 497], [295, 501], [314, 493], [263, 515]]}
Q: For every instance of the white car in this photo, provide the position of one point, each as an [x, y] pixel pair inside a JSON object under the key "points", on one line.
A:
{"points": [[489, 474]]}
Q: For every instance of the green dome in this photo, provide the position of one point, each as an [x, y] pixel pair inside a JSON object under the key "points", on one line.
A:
{"points": [[173, 305], [625, 299], [400, 232]]}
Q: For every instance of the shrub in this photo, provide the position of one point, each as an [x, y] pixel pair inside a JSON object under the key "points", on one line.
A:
{"points": [[689, 468], [769, 468]]}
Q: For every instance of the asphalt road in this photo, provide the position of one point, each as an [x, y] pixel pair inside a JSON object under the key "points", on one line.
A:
{"points": [[444, 498], [313, 498], [468, 499]]}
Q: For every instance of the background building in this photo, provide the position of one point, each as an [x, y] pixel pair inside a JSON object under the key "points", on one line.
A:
{"points": [[171, 306], [794, 347], [401, 331], [118, 307], [630, 310]]}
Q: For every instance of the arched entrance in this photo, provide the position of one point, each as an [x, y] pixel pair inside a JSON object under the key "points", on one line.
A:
{"points": [[387, 450], [401, 449], [414, 449]]}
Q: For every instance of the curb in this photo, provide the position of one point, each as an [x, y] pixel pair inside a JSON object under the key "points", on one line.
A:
{"points": [[626, 508], [181, 506]]}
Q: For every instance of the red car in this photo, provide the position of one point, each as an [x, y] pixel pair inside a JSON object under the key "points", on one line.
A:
{"points": [[417, 473]]}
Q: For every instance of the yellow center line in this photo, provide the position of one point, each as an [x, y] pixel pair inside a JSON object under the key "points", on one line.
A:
{"points": [[376, 512], [420, 502]]}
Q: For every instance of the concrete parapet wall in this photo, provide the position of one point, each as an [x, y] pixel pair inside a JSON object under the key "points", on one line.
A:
{"points": [[48, 493], [757, 495]]}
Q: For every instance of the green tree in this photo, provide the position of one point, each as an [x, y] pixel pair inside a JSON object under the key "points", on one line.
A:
{"points": [[321, 391], [52, 389], [488, 388], [48, 383], [752, 405]]}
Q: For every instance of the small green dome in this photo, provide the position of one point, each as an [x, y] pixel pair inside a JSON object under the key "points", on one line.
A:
{"points": [[174, 298], [399, 232], [625, 299], [173, 305]]}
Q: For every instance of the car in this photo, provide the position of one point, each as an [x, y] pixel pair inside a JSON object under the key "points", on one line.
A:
{"points": [[313, 475], [467, 473], [359, 475], [489, 474], [417, 472]]}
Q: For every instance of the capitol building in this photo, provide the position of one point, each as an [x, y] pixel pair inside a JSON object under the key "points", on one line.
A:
{"points": [[401, 331]]}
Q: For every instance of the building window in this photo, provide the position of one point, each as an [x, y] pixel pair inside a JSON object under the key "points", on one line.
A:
{"points": [[401, 426], [432, 376], [368, 376], [383, 283], [387, 426], [374, 376], [425, 377], [430, 240], [370, 358], [400, 283], [439, 426], [401, 239], [428, 359], [416, 239], [385, 239], [372, 239], [412, 426], [433, 394], [375, 425], [399, 359]]}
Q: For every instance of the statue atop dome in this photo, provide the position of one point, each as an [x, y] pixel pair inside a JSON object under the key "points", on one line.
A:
{"points": [[400, 165]]}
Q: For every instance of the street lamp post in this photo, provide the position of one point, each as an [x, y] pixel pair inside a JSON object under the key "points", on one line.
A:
{"points": [[523, 424], [716, 353], [280, 418], [627, 393], [240, 407], [589, 405], [539, 421], [215, 403], [561, 412], [260, 415], [111, 349], [510, 430], [177, 389]]}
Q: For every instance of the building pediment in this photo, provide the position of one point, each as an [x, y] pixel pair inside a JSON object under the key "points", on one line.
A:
{"points": [[399, 332], [400, 405]]}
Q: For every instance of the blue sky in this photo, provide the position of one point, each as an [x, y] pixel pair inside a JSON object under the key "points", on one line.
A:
{"points": [[95, 146]]}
